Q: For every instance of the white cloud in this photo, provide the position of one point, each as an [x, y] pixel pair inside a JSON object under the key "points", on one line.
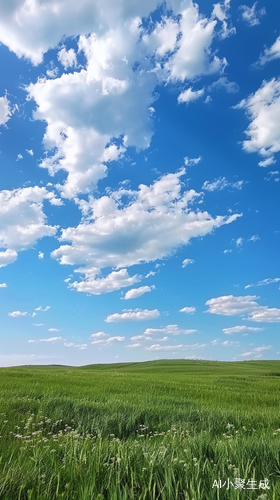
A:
{"points": [[38, 324], [19, 157], [115, 339], [239, 242], [224, 83], [22, 220], [99, 335], [230, 305], [17, 314], [189, 162], [188, 310], [151, 273], [7, 257], [270, 54], [266, 281], [134, 293], [220, 184], [3, 285], [40, 255], [230, 343], [227, 251], [67, 58], [140, 338], [254, 238], [110, 97], [51, 339], [263, 109], [53, 71], [159, 347], [169, 330], [193, 55], [30, 152], [265, 315], [53, 330], [133, 315], [251, 15], [156, 221], [269, 161], [220, 11], [241, 329], [5, 110], [110, 283], [40, 308], [134, 346], [186, 262], [104, 339], [256, 350], [190, 95]]}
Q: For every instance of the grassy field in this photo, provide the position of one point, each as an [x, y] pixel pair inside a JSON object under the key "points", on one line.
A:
{"points": [[186, 430]]}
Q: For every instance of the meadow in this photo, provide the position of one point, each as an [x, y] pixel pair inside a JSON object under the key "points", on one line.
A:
{"points": [[166, 430]]}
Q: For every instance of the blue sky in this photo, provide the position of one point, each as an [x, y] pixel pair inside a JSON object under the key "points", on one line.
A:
{"points": [[140, 176]]}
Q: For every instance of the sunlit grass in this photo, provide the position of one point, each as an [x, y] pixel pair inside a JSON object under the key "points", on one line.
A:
{"points": [[160, 430]]}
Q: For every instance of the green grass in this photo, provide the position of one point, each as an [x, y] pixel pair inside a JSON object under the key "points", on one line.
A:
{"points": [[157, 430]]}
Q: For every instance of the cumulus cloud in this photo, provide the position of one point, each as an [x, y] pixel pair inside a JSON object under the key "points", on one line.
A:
{"points": [[96, 112], [110, 283], [189, 162], [104, 339], [22, 220], [132, 315], [241, 329], [190, 95], [221, 12], [266, 281], [220, 184], [134, 293], [67, 58], [188, 310], [8, 257], [186, 262], [271, 53], [152, 224], [251, 15], [17, 314], [265, 315], [99, 335], [224, 83], [263, 132], [5, 110], [168, 330], [40, 255], [53, 330], [230, 305], [3, 285]]}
